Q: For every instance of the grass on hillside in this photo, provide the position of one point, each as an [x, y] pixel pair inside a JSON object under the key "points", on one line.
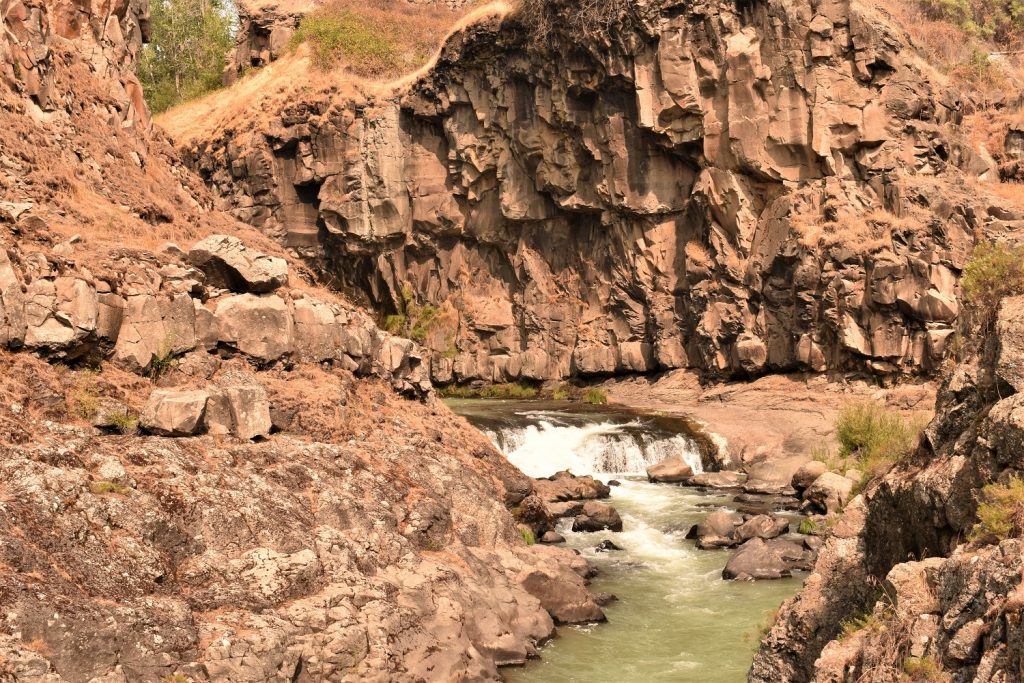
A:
{"points": [[375, 39], [1000, 512], [976, 42]]}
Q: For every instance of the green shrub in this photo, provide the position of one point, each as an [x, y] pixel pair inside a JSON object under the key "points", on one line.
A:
{"points": [[998, 20], [395, 324], [164, 359], [367, 49], [808, 527], [993, 272], [529, 538], [866, 622], [872, 438], [595, 397], [1000, 512], [101, 487]]}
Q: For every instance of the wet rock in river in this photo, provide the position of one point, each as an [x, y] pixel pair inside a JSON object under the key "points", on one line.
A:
{"points": [[717, 530], [597, 517], [552, 537], [726, 479], [671, 470], [606, 546], [762, 526], [758, 559]]}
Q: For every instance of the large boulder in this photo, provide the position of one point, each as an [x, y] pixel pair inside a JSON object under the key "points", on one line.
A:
{"points": [[828, 493], [725, 479], [565, 486], [717, 530], [597, 517], [242, 410], [758, 559], [258, 326], [672, 469], [172, 412], [567, 602], [229, 264], [762, 526], [808, 472]]}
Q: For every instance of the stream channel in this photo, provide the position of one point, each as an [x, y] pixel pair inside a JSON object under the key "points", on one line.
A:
{"points": [[676, 619]]}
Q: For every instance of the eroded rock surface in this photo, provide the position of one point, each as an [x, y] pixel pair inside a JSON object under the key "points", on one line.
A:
{"points": [[738, 189]]}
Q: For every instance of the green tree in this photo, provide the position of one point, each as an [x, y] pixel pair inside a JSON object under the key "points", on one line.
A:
{"points": [[185, 57]]}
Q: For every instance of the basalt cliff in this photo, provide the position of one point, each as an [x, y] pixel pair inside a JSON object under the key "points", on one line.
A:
{"points": [[211, 467], [737, 188]]}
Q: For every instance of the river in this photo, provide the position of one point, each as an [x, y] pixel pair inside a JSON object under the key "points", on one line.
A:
{"points": [[676, 619]]}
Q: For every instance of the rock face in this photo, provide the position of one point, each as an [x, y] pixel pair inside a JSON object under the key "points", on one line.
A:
{"points": [[175, 413], [737, 189], [953, 603]]}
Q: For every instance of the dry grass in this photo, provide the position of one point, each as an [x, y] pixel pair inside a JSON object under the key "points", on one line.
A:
{"points": [[964, 57], [377, 39], [865, 232]]}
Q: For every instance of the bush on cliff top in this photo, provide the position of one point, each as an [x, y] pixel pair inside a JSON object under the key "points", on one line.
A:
{"points": [[185, 56]]}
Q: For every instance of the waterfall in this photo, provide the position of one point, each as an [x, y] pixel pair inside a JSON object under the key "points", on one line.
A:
{"points": [[544, 445]]}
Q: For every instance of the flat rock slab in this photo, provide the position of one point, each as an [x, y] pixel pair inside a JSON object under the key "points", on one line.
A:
{"points": [[170, 412]]}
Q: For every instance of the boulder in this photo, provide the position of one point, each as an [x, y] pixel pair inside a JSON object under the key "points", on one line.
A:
{"points": [[242, 410], [726, 479], [806, 474], [828, 493], [564, 486], [762, 526], [606, 546], [258, 326], [672, 469], [172, 412], [597, 517], [552, 537], [718, 530], [569, 508], [756, 560], [773, 476], [566, 602], [229, 264]]}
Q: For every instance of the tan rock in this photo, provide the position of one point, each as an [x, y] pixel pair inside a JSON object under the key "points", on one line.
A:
{"points": [[258, 326], [229, 264], [172, 412]]}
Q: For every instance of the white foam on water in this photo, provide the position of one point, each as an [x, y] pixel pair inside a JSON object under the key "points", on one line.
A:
{"points": [[547, 446]]}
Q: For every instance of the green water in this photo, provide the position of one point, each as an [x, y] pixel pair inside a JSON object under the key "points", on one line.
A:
{"points": [[676, 619]]}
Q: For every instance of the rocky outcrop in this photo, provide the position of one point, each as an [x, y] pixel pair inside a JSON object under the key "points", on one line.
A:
{"points": [[898, 559], [738, 189], [303, 523]]}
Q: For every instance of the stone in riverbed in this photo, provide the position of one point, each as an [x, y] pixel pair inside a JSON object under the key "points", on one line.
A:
{"points": [[717, 530], [828, 493], [671, 470], [762, 526], [606, 546], [726, 479], [603, 598], [756, 560], [807, 473], [597, 517], [565, 486], [566, 602], [552, 537], [569, 508]]}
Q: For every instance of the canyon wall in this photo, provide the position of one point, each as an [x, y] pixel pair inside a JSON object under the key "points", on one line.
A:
{"points": [[900, 578], [738, 188]]}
